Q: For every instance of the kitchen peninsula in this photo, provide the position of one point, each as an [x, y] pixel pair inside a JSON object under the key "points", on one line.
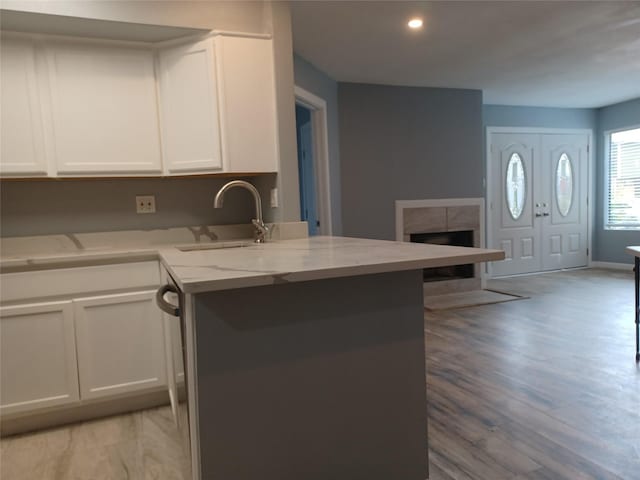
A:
{"points": [[305, 358]]}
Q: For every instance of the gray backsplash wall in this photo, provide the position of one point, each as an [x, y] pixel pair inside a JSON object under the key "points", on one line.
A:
{"points": [[94, 205], [609, 244], [317, 82], [402, 143]]}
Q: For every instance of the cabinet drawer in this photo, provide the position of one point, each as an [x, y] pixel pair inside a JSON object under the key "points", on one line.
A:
{"points": [[73, 282]]}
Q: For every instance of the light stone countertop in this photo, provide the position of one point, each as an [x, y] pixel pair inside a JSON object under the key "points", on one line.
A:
{"points": [[633, 250], [306, 259], [82, 249]]}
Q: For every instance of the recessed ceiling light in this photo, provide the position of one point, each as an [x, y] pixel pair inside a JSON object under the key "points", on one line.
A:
{"points": [[415, 23]]}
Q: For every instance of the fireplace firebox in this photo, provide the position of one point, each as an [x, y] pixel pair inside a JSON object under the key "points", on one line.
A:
{"points": [[462, 238]]}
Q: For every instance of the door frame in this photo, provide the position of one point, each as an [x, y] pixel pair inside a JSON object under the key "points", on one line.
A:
{"points": [[318, 107], [591, 194]]}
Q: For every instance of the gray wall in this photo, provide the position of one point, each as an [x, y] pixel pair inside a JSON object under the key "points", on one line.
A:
{"points": [[317, 82], [63, 206], [402, 143], [250, 16], [289, 192], [609, 244], [539, 117]]}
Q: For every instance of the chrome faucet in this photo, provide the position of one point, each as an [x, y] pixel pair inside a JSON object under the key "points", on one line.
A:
{"points": [[261, 228]]}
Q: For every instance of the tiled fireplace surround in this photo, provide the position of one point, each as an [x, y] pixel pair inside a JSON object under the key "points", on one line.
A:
{"points": [[444, 216]]}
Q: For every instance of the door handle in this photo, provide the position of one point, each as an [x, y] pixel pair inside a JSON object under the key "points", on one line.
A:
{"points": [[163, 304]]}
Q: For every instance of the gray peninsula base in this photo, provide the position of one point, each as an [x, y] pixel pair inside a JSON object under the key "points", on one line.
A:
{"points": [[313, 380]]}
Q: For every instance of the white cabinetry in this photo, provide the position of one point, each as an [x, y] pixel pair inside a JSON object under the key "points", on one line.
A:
{"points": [[120, 344], [85, 347], [22, 136], [104, 109], [189, 108], [87, 107], [38, 353], [217, 98], [247, 104]]}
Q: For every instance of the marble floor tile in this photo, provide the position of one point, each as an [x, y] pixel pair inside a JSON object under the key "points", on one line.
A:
{"points": [[136, 446], [106, 431], [119, 461], [164, 452], [32, 452]]}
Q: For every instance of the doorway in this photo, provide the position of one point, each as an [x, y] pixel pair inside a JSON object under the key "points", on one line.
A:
{"points": [[306, 174], [313, 162], [537, 200]]}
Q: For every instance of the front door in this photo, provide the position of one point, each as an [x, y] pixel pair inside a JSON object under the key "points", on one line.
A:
{"points": [[538, 201]]}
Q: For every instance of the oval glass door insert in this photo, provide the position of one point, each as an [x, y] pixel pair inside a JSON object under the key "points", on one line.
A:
{"points": [[515, 186], [564, 185]]}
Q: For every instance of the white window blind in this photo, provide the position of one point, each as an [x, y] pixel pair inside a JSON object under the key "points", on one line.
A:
{"points": [[623, 200]]}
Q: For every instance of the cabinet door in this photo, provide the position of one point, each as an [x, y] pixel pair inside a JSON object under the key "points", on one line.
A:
{"points": [[189, 108], [21, 138], [248, 115], [173, 352], [120, 344], [105, 117], [38, 367]]}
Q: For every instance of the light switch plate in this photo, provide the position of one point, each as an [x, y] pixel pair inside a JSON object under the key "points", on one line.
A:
{"points": [[145, 204]]}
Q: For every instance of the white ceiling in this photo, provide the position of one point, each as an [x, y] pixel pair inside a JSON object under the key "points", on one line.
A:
{"points": [[553, 54]]}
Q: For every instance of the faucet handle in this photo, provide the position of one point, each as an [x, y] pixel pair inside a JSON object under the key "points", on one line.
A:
{"points": [[261, 230]]}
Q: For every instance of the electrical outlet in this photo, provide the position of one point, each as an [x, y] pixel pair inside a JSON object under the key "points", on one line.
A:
{"points": [[145, 204], [274, 198]]}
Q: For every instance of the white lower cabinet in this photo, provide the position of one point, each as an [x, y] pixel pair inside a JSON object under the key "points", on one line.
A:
{"points": [[120, 344], [38, 367], [102, 340]]}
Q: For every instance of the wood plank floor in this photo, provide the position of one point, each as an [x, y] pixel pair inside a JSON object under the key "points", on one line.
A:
{"points": [[542, 388]]}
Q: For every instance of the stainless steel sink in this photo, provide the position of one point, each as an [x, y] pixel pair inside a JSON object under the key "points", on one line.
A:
{"points": [[215, 245]]}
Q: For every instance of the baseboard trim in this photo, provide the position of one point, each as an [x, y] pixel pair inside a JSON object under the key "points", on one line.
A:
{"points": [[612, 265], [78, 413]]}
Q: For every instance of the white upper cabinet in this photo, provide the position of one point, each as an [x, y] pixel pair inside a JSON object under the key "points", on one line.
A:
{"points": [[86, 107], [218, 106], [189, 109], [22, 137], [248, 114], [104, 109]]}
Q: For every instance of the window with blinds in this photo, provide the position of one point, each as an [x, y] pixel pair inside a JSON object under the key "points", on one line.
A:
{"points": [[623, 199]]}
